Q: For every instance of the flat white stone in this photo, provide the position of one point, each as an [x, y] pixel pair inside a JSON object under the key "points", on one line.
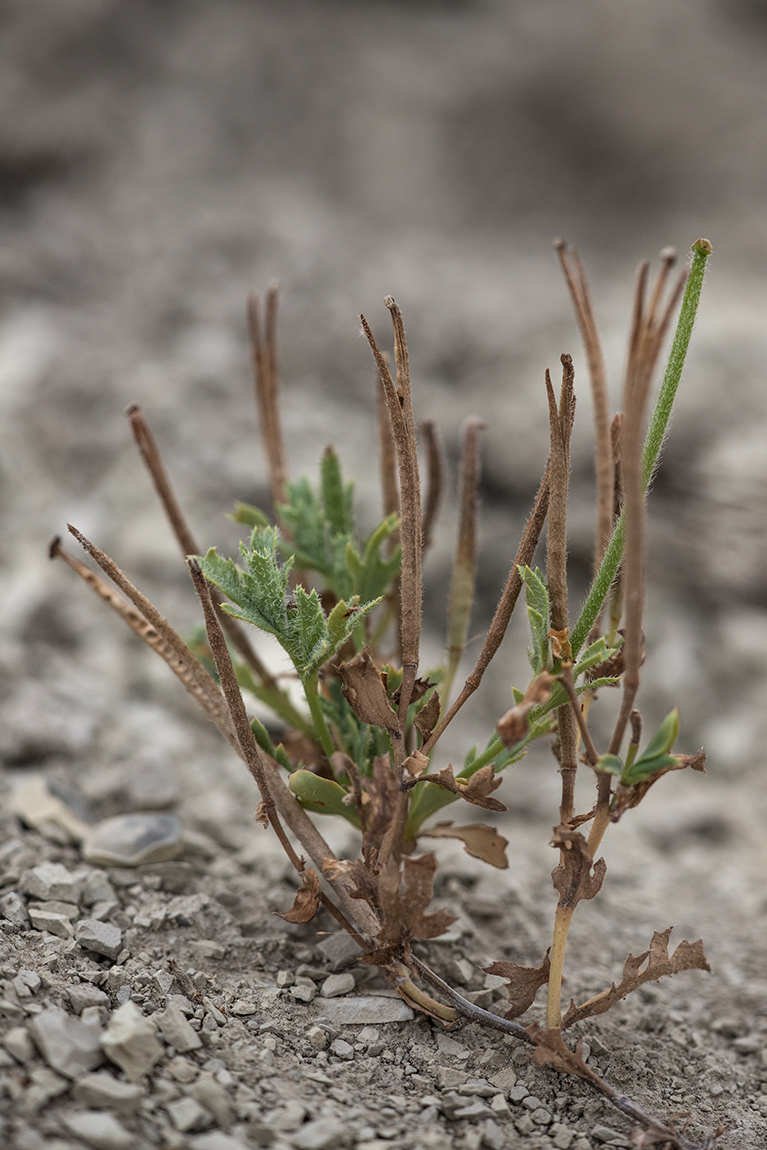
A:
{"points": [[365, 1010]]}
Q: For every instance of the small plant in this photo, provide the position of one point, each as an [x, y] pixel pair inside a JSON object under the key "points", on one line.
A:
{"points": [[346, 609]]}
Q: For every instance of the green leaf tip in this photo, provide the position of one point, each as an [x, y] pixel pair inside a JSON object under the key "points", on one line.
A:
{"points": [[702, 247]]}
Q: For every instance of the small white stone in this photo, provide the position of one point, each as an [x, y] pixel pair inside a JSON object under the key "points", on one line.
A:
{"points": [[131, 1043], [186, 1114], [336, 985], [102, 1131]]}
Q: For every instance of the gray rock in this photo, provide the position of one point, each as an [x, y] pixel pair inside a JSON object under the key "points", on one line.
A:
{"points": [[242, 1008], [516, 1093], [104, 1091], [130, 1042], [505, 1079], [99, 937], [97, 888], [182, 1069], [215, 1140], [44, 1085], [26, 983], [133, 840], [450, 1079], [606, 1134], [163, 980], [186, 1115], [13, 908], [51, 920], [365, 1010], [18, 1043], [50, 882], [342, 1049], [176, 1030], [69, 1046], [339, 950], [102, 1131], [322, 1134], [212, 1095], [336, 985], [305, 991], [83, 995]]}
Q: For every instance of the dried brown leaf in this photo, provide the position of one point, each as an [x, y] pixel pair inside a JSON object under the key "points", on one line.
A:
{"points": [[365, 691], [628, 797], [475, 790], [428, 717], [404, 893], [687, 956], [576, 876], [523, 982], [262, 815], [416, 764], [514, 725], [383, 794], [307, 899], [550, 1050], [479, 840]]}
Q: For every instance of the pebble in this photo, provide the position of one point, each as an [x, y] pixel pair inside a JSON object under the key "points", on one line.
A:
{"points": [[322, 1134], [133, 840], [50, 881], [562, 1136], [606, 1134], [69, 1046], [104, 1091], [39, 808], [186, 1115], [43, 917], [99, 937], [215, 1140], [504, 1079], [44, 1085], [342, 1049], [339, 950], [182, 1069], [13, 909], [517, 1093], [26, 983], [493, 1136], [130, 1042], [213, 1097], [18, 1043], [102, 1131], [305, 991], [337, 984], [242, 1008], [176, 1030], [477, 1087], [368, 1010], [97, 888]]}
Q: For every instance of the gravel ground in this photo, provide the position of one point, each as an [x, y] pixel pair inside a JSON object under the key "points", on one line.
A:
{"points": [[156, 163]]}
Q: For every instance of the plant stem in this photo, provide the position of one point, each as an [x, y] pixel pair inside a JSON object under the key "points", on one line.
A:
{"points": [[310, 686], [562, 920], [653, 440]]}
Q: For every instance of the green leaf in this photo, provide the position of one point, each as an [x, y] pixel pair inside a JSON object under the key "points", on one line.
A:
{"points": [[336, 498], [664, 738], [595, 654], [323, 796], [244, 591], [610, 763], [644, 768], [537, 598], [249, 515], [307, 631], [518, 695], [371, 576]]}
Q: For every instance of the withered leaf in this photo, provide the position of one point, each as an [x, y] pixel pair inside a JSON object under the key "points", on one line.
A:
{"points": [[359, 881], [307, 899], [365, 691], [428, 717], [513, 726], [523, 982], [550, 1050], [560, 644], [480, 841], [576, 876], [631, 796], [403, 896], [687, 956], [262, 815], [382, 793], [420, 687], [475, 790], [416, 764]]}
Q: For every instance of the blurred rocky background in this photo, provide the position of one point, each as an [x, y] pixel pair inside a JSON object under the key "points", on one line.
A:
{"points": [[161, 158]]}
